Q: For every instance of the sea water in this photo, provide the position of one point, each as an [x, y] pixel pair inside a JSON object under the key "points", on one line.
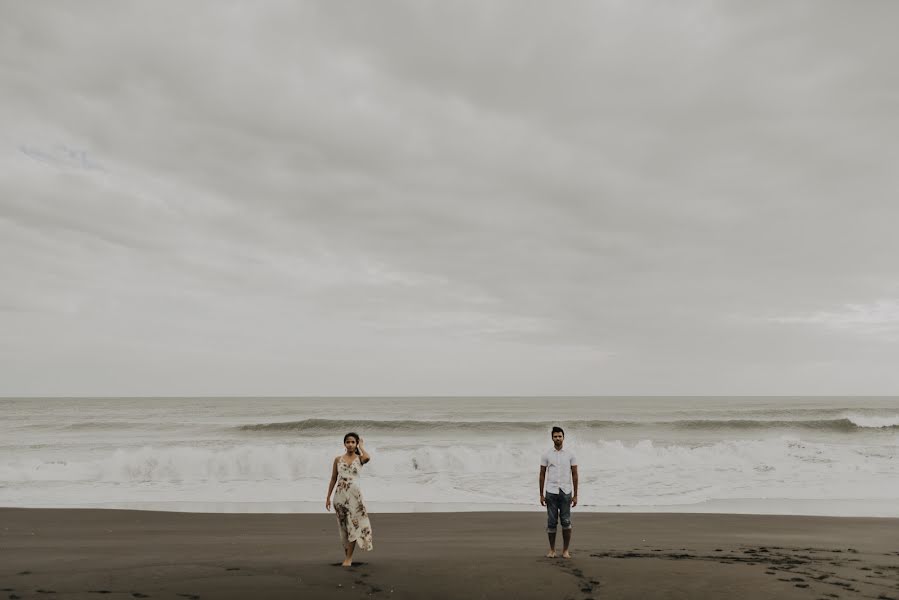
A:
{"points": [[828, 456]]}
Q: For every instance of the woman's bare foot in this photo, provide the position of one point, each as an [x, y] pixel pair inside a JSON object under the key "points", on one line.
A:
{"points": [[551, 554], [565, 554]]}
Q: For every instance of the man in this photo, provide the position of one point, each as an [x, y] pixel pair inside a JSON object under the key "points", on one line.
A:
{"points": [[558, 469]]}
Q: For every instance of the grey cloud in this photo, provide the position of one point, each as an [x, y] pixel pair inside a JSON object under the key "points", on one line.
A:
{"points": [[603, 184]]}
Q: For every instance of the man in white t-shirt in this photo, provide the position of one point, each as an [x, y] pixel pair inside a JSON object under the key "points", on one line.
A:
{"points": [[558, 470]]}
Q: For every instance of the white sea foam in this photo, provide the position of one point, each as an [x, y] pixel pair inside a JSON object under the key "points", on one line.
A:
{"points": [[874, 422], [613, 472]]}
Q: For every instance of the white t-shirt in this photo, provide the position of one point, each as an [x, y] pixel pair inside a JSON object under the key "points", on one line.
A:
{"points": [[558, 465]]}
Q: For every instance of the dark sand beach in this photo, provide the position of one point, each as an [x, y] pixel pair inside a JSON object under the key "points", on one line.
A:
{"points": [[117, 554]]}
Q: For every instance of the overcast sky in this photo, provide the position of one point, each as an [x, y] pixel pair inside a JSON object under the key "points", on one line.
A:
{"points": [[378, 198]]}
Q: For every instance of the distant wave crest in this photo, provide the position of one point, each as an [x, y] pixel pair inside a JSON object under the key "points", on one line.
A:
{"points": [[845, 425], [340, 425]]}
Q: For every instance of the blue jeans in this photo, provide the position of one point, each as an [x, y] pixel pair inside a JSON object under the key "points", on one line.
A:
{"points": [[558, 508]]}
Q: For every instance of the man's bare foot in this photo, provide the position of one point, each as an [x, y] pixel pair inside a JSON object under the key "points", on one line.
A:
{"points": [[565, 554], [551, 554], [347, 563]]}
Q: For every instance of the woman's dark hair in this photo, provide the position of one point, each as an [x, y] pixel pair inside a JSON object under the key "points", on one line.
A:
{"points": [[555, 429], [355, 435]]}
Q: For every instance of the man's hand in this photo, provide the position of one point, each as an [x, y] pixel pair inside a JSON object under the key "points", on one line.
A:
{"points": [[574, 500], [328, 504], [542, 500]]}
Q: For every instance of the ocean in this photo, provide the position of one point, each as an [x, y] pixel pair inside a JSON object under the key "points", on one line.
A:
{"points": [[765, 455]]}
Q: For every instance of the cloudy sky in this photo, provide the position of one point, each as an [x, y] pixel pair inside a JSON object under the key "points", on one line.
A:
{"points": [[447, 198]]}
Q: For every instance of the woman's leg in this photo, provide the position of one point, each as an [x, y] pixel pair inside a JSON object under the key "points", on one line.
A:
{"points": [[344, 536], [348, 550]]}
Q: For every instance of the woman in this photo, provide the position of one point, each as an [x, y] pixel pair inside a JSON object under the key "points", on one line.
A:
{"points": [[352, 517]]}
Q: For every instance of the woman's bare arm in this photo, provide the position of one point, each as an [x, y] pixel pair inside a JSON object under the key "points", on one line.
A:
{"points": [[331, 485], [364, 457]]}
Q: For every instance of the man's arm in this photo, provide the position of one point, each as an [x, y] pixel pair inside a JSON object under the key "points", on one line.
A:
{"points": [[574, 482], [542, 479]]}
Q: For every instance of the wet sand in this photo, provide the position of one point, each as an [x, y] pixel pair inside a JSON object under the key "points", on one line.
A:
{"points": [[114, 554]]}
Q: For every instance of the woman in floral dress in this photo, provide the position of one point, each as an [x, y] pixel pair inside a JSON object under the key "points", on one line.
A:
{"points": [[352, 518]]}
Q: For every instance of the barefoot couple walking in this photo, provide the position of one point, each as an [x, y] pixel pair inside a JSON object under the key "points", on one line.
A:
{"points": [[558, 473]]}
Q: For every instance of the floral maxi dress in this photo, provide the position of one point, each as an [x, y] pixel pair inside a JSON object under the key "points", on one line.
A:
{"points": [[352, 518]]}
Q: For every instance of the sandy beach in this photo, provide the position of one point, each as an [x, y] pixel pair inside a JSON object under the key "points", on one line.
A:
{"points": [[86, 553]]}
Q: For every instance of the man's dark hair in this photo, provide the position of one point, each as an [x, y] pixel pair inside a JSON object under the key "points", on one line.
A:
{"points": [[559, 429]]}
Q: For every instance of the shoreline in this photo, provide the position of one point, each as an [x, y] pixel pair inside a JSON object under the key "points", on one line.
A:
{"points": [[81, 553], [845, 508]]}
